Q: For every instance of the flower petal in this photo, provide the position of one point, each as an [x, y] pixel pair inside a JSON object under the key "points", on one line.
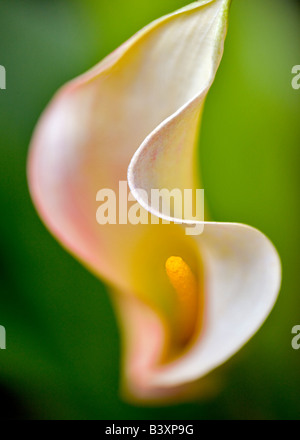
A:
{"points": [[87, 136], [242, 274], [168, 153], [141, 106]]}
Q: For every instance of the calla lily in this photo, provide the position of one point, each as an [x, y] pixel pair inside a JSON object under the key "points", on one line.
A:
{"points": [[185, 304]]}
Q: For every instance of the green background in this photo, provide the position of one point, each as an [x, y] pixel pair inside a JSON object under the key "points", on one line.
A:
{"points": [[63, 349]]}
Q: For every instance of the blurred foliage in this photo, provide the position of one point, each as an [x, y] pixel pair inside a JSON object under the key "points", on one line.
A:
{"points": [[63, 351]]}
